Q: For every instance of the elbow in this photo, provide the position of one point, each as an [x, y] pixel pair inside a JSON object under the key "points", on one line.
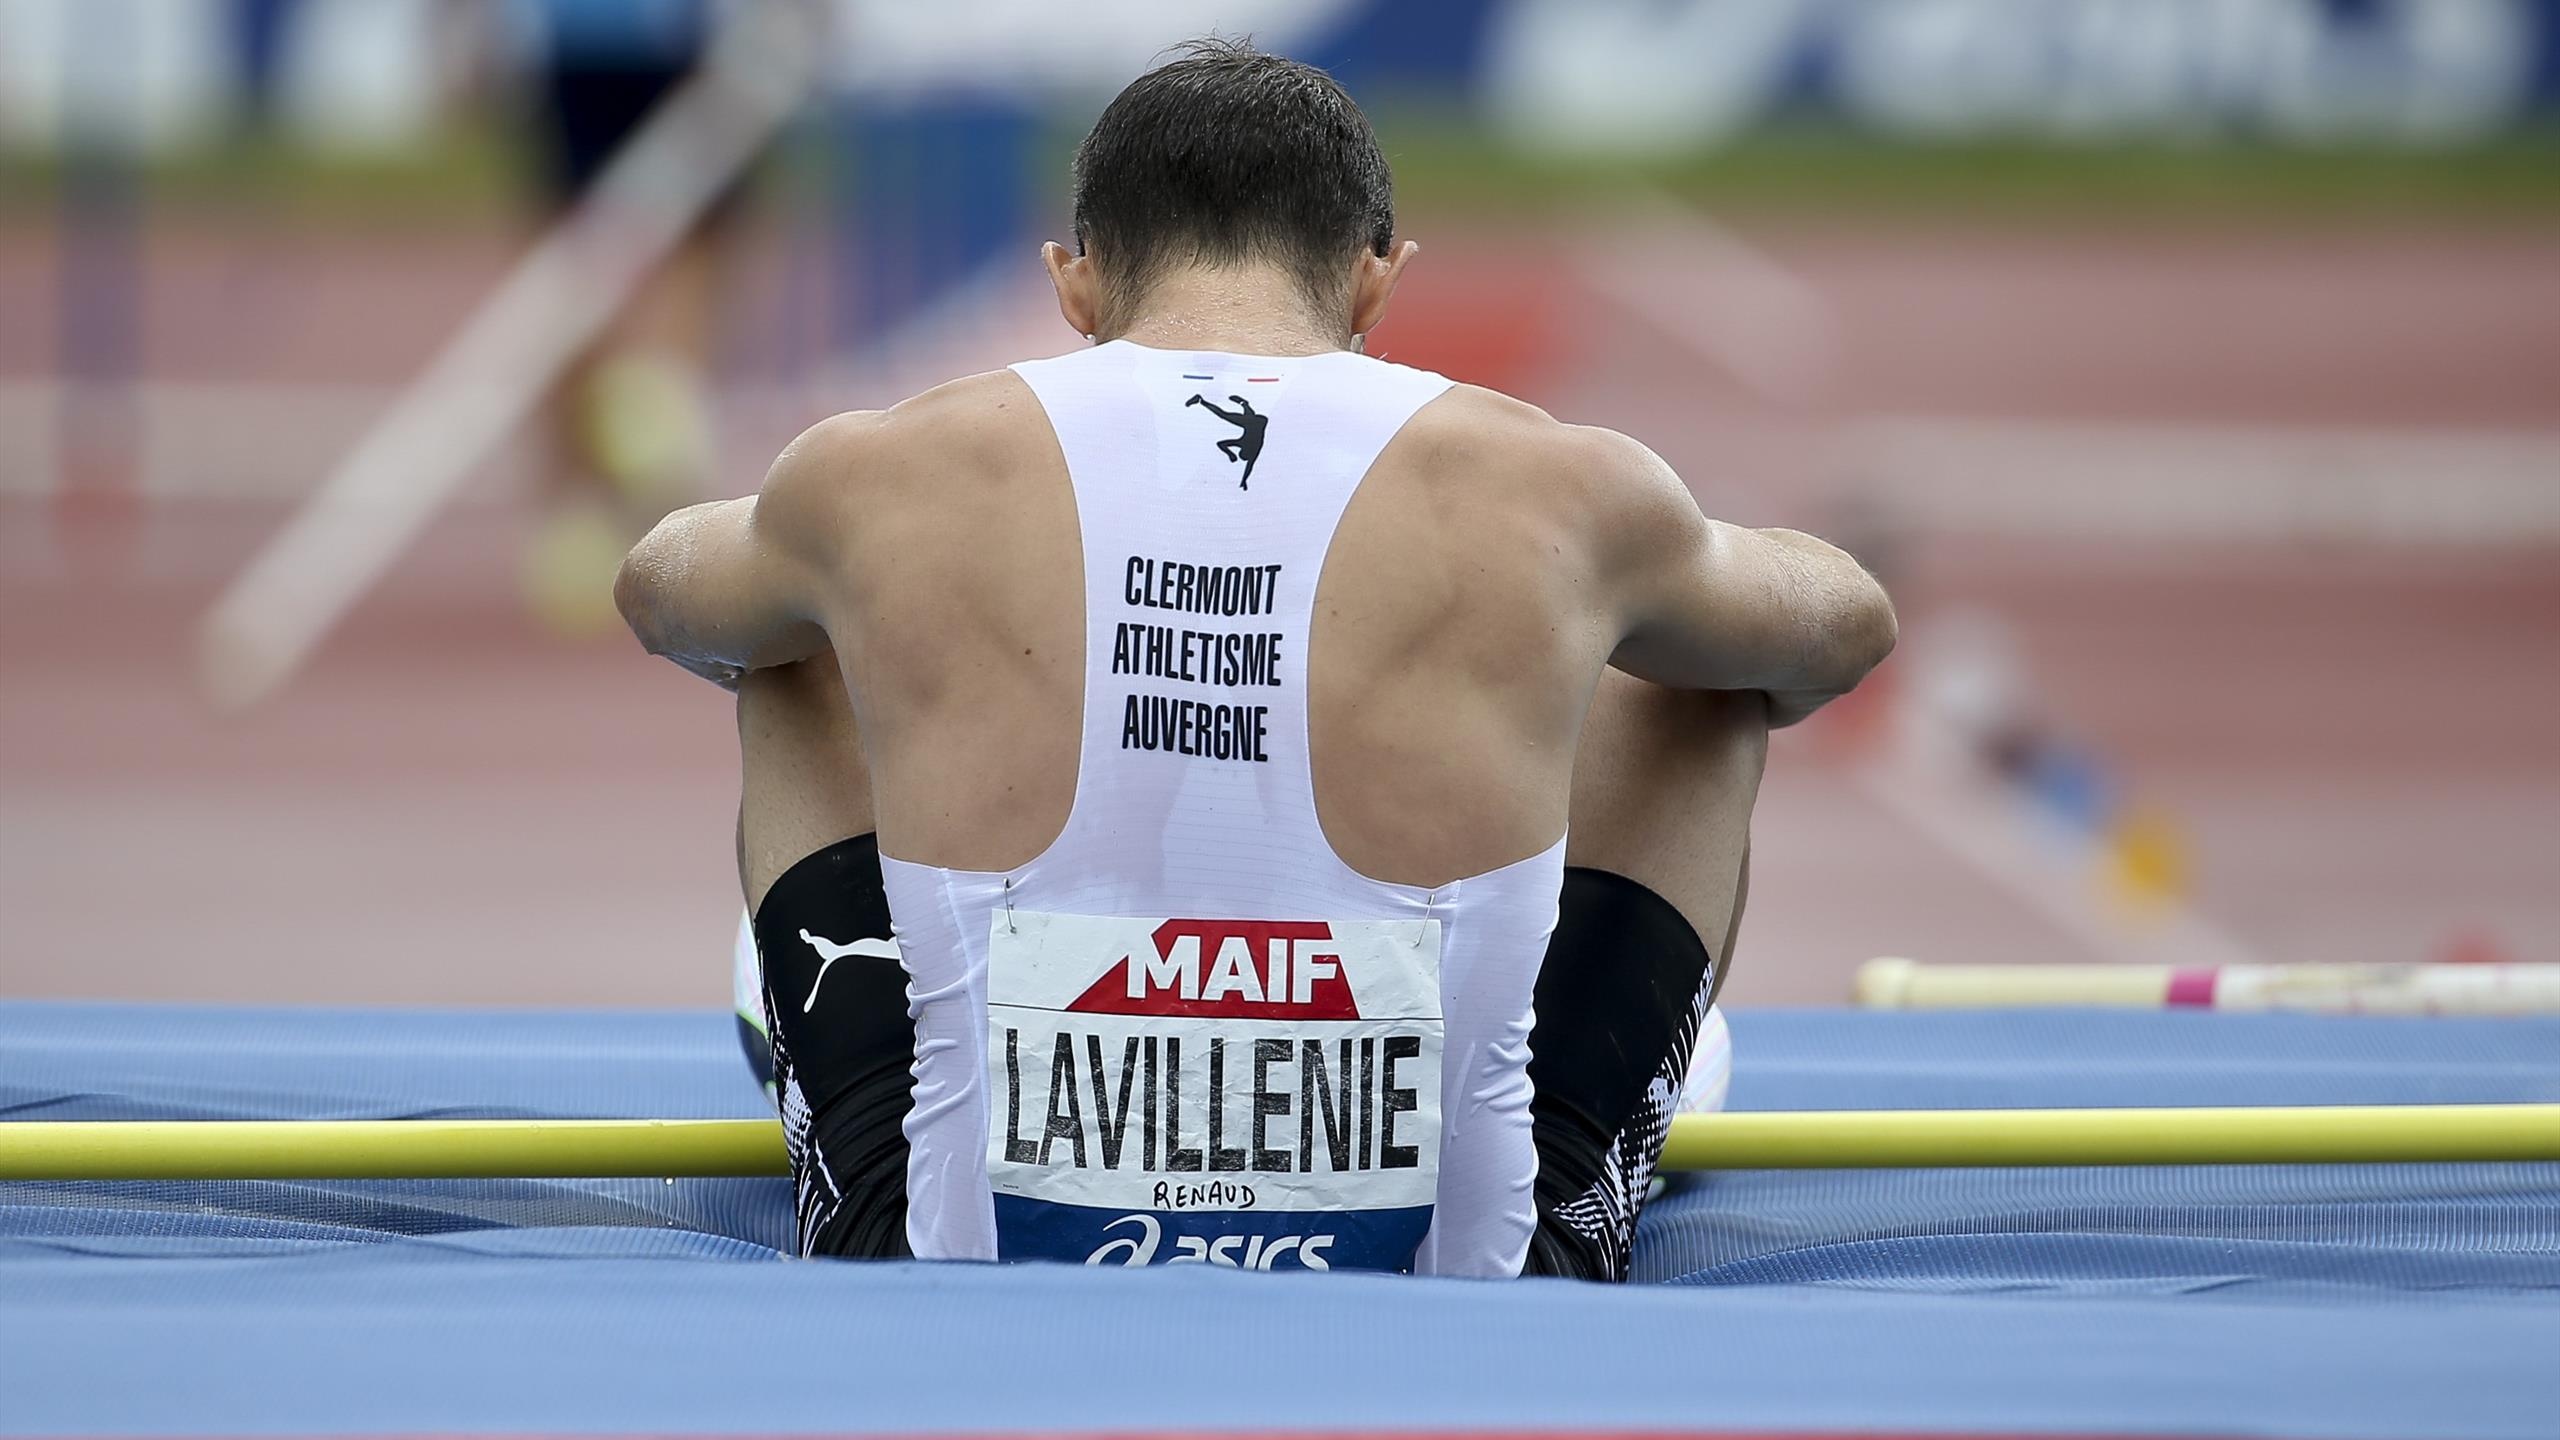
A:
{"points": [[635, 594], [1879, 628], [1868, 632], [1860, 631]]}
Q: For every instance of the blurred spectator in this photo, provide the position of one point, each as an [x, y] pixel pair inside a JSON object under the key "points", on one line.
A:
{"points": [[261, 32], [630, 424]]}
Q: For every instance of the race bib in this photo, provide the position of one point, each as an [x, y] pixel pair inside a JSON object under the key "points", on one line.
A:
{"points": [[1252, 1093]]}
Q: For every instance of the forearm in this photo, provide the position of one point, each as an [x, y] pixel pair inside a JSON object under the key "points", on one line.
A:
{"points": [[1773, 611], [1844, 622], [1710, 606], [650, 589], [694, 591]]}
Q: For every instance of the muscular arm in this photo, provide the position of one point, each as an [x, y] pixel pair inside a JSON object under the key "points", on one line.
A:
{"points": [[1711, 606], [738, 585]]}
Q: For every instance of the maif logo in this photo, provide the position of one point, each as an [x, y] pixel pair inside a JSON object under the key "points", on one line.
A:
{"points": [[1234, 969]]}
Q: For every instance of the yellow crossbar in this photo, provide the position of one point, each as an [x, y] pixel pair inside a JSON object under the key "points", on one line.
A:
{"points": [[2238, 1135], [1770, 1140], [386, 1149]]}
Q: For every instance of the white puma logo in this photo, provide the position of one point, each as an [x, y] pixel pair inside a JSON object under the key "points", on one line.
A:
{"points": [[829, 952]]}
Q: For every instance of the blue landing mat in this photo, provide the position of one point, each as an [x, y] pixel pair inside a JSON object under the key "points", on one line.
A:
{"points": [[2313, 1301]]}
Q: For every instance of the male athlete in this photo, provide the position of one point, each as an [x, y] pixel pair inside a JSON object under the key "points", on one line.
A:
{"points": [[1329, 873]]}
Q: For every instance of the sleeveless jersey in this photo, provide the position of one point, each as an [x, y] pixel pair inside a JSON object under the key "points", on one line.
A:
{"points": [[1188, 1031]]}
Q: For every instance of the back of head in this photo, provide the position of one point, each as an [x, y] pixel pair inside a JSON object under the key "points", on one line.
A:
{"points": [[1229, 157]]}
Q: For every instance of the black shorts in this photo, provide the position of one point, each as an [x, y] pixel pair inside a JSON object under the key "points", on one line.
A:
{"points": [[588, 111], [1623, 990]]}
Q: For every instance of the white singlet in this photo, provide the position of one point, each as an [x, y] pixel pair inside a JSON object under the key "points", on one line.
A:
{"points": [[1188, 1030]]}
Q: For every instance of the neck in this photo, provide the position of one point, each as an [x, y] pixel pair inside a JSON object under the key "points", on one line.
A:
{"points": [[1240, 311]]}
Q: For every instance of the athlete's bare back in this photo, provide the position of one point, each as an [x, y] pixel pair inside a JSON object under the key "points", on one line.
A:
{"points": [[1489, 568]]}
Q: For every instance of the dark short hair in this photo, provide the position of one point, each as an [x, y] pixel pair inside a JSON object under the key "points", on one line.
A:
{"points": [[1227, 155]]}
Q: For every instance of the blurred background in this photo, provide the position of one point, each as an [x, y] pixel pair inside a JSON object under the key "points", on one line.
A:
{"points": [[2189, 368]]}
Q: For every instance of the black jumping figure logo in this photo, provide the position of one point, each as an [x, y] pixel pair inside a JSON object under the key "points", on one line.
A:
{"points": [[1247, 446]]}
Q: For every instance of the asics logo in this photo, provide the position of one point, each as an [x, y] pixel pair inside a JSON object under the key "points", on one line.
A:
{"points": [[829, 952], [1235, 1252]]}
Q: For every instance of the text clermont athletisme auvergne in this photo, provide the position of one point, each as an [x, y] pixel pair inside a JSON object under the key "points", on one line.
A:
{"points": [[1149, 649]]}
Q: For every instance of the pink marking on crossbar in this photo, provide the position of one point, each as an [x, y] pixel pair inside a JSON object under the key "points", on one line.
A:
{"points": [[2193, 986]]}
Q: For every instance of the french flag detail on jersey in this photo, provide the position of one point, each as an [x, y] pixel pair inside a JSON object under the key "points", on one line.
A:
{"points": [[1252, 1093]]}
